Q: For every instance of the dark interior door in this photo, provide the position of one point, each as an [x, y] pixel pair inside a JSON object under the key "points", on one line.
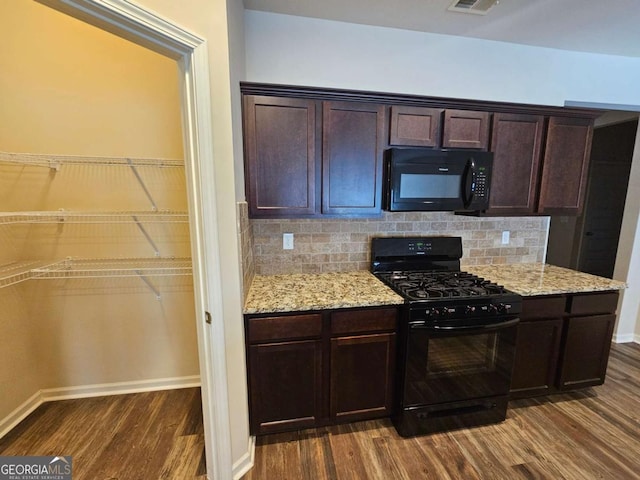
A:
{"points": [[611, 154]]}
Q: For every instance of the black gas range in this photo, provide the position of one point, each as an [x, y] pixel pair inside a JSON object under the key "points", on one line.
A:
{"points": [[457, 336]]}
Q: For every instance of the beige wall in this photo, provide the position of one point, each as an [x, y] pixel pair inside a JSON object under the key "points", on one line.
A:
{"points": [[69, 88], [19, 368]]}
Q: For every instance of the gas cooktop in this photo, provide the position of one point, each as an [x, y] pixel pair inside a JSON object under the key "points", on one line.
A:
{"points": [[424, 285], [426, 272]]}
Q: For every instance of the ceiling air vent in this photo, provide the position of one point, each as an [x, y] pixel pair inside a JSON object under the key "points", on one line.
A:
{"points": [[479, 7]]}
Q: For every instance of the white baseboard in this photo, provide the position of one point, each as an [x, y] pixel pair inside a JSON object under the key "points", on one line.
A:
{"points": [[245, 463], [14, 418], [119, 388], [626, 338], [98, 390]]}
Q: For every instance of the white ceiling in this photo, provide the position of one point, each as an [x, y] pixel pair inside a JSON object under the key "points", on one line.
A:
{"points": [[596, 26]]}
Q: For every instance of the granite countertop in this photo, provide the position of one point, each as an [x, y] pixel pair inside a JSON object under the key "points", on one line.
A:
{"points": [[529, 279], [298, 292]]}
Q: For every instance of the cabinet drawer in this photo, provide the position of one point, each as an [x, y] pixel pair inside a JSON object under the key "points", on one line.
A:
{"points": [[363, 321], [284, 327], [542, 307], [593, 303]]}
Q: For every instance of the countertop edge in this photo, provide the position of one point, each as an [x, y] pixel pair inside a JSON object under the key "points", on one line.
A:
{"points": [[327, 306]]}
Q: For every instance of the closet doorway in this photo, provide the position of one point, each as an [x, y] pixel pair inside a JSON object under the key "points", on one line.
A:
{"points": [[99, 238]]}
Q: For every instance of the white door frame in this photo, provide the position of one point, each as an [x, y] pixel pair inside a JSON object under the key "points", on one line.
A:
{"points": [[147, 29]]}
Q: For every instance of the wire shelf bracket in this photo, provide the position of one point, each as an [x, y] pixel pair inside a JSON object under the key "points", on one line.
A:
{"points": [[146, 235], [149, 284], [154, 207]]}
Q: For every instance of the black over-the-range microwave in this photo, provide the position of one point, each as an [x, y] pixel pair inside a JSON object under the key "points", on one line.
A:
{"points": [[419, 179]]}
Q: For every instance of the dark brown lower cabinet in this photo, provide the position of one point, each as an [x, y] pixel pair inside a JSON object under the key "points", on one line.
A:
{"points": [[536, 362], [362, 370], [586, 351], [311, 369], [286, 385], [563, 343]]}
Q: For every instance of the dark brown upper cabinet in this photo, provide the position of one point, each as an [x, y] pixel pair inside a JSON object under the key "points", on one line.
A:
{"points": [[466, 129], [352, 147], [415, 126], [319, 152], [280, 156], [306, 158], [565, 166], [516, 145]]}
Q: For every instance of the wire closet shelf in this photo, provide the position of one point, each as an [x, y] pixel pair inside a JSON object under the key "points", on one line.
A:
{"points": [[65, 216], [69, 268], [56, 161]]}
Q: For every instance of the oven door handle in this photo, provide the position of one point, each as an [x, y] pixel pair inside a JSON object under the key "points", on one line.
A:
{"points": [[465, 328]]}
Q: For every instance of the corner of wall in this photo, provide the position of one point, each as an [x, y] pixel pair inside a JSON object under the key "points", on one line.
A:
{"points": [[245, 240]]}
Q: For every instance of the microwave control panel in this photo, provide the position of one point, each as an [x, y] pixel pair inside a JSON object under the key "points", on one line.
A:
{"points": [[480, 189]]}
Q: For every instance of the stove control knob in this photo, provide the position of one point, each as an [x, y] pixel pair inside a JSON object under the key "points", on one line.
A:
{"points": [[493, 309], [447, 312], [504, 308], [435, 312], [469, 310]]}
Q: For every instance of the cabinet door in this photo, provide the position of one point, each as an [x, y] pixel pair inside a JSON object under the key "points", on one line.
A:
{"points": [[536, 360], [565, 166], [280, 156], [415, 126], [516, 145], [285, 381], [362, 373], [587, 341], [352, 143], [466, 129]]}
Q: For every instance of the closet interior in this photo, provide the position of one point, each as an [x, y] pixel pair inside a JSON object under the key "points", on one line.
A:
{"points": [[96, 273], [96, 288]]}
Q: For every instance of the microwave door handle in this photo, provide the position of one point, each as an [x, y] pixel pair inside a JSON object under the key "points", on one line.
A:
{"points": [[469, 183]]}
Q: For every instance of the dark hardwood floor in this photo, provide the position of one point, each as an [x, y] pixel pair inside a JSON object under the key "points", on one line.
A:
{"points": [[154, 435], [591, 434]]}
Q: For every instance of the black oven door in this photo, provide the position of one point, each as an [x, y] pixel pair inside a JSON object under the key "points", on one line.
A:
{"points": [[458, 360]]}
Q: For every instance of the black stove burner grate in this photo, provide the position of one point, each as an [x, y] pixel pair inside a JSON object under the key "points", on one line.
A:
{"points": [[439, 285]]}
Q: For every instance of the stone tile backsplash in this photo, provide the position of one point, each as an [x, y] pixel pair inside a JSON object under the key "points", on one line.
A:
{"points": [[246, 247], [338, 245]]}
